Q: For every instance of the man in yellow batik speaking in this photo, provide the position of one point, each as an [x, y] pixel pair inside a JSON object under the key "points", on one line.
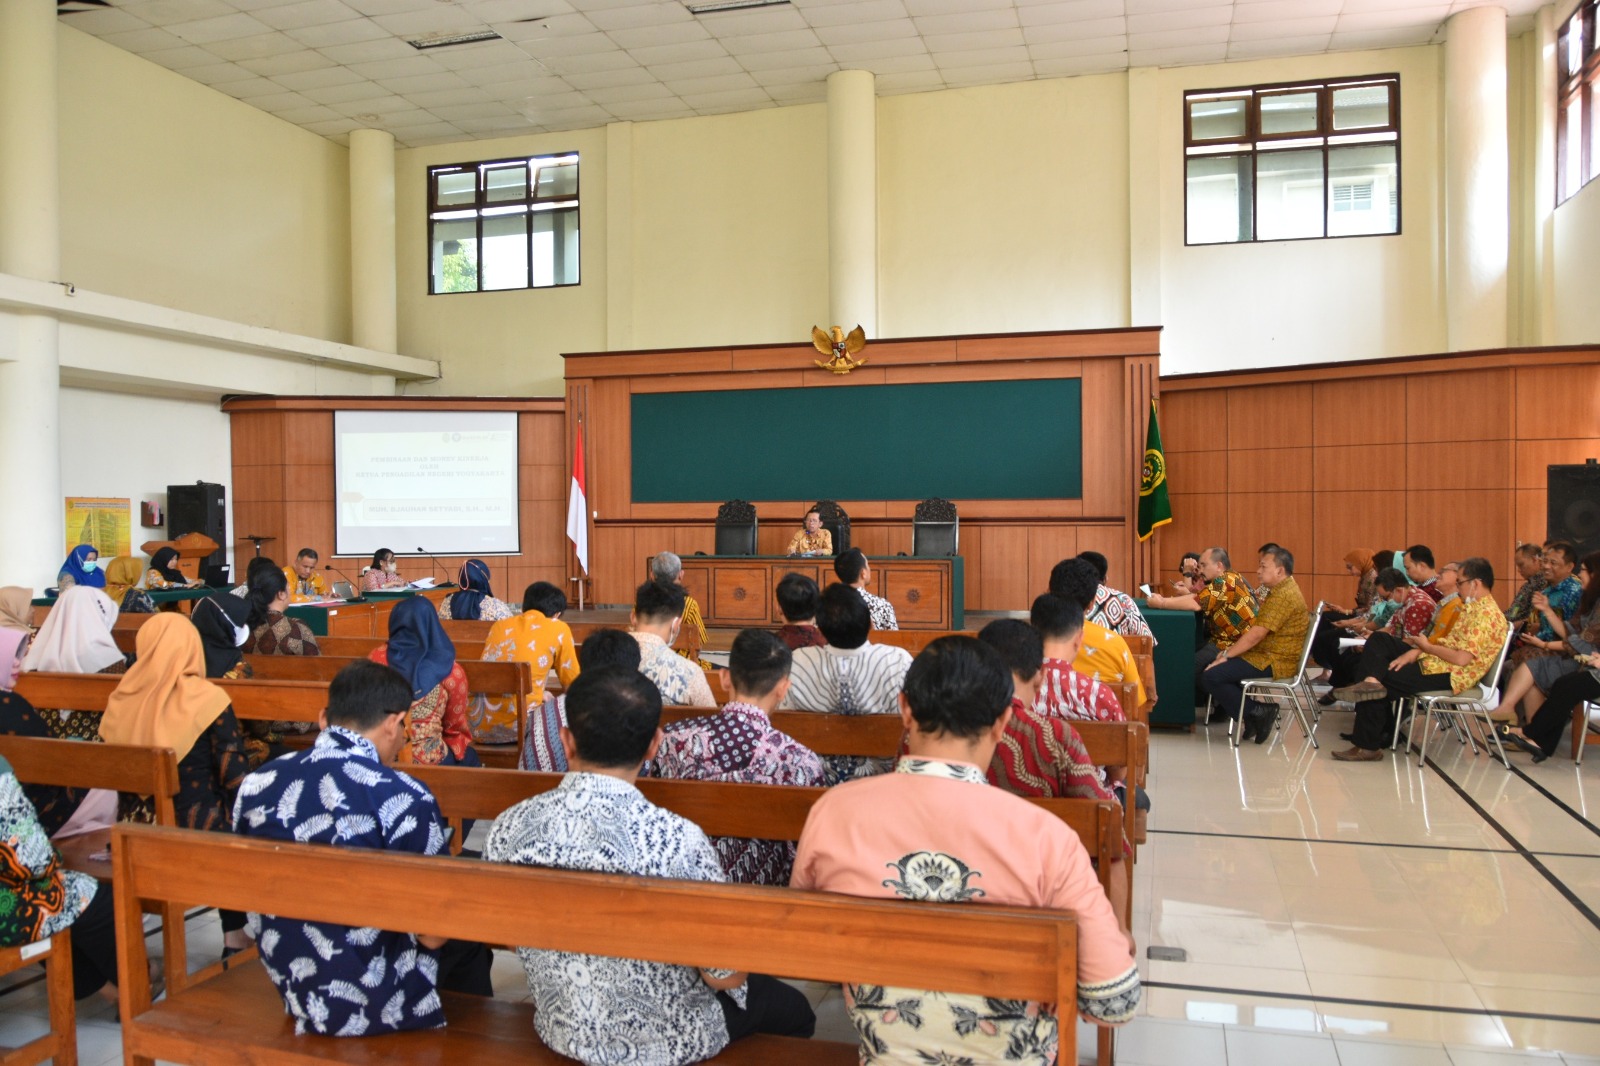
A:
{"points": [[1155, 509]]}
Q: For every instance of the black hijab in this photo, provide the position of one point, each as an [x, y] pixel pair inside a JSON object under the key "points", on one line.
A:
{"points": [[164, 562], [217, 618]]}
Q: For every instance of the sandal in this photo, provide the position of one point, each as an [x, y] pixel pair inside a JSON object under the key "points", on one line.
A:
{"points": [[1522, 743]]}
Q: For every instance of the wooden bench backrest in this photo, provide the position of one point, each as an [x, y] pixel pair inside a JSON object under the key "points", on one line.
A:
{"points": [[482, 675], [76, 764], [289, 701], [361, 647], [1006, 952]]}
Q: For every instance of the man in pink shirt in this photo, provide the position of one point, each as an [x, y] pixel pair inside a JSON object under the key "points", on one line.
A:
{"points": [[934, 830]]}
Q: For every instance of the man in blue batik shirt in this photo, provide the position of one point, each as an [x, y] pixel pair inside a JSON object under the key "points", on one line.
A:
{"points": [[336, 980]]}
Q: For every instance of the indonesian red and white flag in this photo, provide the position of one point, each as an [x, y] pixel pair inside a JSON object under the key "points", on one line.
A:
{"points": [[578, 506]]}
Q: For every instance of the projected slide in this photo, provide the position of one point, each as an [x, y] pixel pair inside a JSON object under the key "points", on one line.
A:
{"points": [[442, 480]]}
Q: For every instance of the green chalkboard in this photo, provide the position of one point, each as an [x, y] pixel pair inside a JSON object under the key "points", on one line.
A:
{"points": [[969, 440]]}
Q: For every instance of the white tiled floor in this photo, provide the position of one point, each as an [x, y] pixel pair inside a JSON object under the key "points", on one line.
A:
{"points": [[1333, 915]]}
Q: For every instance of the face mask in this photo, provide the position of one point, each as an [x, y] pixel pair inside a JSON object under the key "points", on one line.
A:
{"points": [[89, 566], [388, 568]]}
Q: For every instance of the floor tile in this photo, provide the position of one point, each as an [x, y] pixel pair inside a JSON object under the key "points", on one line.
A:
{"points": [[1487, 1057], [1580, 1039], [1376, 1053], [1160, 1042], [1255, 1047], [1376, 953], [1400, 991], [1406, 1024]]}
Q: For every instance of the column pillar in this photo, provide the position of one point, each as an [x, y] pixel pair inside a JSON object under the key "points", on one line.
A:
{"points": [[1477, 179], [374, 317], [31, 540], [853, 200]]}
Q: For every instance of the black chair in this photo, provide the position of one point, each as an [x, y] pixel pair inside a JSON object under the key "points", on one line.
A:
{"points": [[836, 522], [736, 528], [935, 529]]}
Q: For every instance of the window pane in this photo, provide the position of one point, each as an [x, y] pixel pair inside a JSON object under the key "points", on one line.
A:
{"points": [[505, 251], [557, 182], [1218, 120], [1361, 107], [1289, 200], [459, 187], [555, 247], [1363, 190], [1289, 113], [455, 256], [506, 183], [1219, 191], [1572, 165]]}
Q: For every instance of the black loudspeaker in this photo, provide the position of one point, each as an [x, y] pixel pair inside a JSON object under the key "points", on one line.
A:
{"points": [[200, 508], [1574, 505]]}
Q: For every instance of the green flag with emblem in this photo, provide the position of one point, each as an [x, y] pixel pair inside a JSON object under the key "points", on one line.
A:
{"points": [[1155, 509]]}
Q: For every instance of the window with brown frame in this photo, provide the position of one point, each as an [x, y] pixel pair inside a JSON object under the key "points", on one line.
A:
{"points": [[1577, 124], [1293, 161], [503, 224]]}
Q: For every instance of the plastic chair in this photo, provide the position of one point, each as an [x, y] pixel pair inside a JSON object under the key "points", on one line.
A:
{"points": [[1295, 688], [1470, 708]]}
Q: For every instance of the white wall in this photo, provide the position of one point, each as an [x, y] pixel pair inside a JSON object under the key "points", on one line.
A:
{"points": [[1577, 273], [120, 444]]}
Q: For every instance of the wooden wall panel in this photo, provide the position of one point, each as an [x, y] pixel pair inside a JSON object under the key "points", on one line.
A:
{"points": [[1436, 517], [1198, 472], [1350, 467], [1199, 521], [1468, 405], [1271, 416], [1255, 518], [1348, 520], [1558, 402], [1462, 464], [1004, 584], [1194, 421], [1270, 470], [1047, 546], [1359, 411]]}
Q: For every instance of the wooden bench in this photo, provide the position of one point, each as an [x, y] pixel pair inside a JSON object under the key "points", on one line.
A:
{"points": [[1005, 952], [121, 768], [60, 1044]]}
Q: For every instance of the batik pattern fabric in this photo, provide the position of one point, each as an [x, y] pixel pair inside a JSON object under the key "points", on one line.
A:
{"points": [[53, 804], [1415, 616], [1065, 692], [282, 635], [1444, 619], [599, 1010], [864, 680], [1119, 613], [804, 543], [209, 775], [954, 840], [1042, 755], [489, 610], [1228, 607], [681, 682], [1105, 656], [797, 637], [336, 980], [438, 721], [880, 610], [1285, 619], [1481, 630], [78, 725], [136, 601], [375, 580], [739, 744], [544, 643], [1564, 597], [541, 745], [38, 898], [306, 589], [1522, 603]]}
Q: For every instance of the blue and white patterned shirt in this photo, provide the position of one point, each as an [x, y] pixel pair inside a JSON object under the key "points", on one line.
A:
{"points": [[603, 1010], [336, 980]]}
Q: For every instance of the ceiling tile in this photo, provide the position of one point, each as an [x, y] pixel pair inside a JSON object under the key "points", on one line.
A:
{"points": [[1186, 55], [409, 66], [697, 68], [654, 36], [1180, 20], [446, 97], [729, 100], [223, 28], [246, 88], [639, 15], [1199, 35], [1261, 31], [856, 11], [333, 126], [280, 101], [678, 53], [252, 6], [686, 87], [306, 13], [407, 120], [849, 53], [99, 23], [164, 12], [1398, 37], [492, 127], [647, 110], [1087, 30], [968, 22], [302, 116], [951, 7], [337, 33], [368, 51], [390, 7], [184, 59], [466, 57], [1430, 17], [916, 81], [598, 63], [505, 74], [962, 42], [338, 94], [557, 98], [464, 112], [385, 107], [571, 25], [1279, 46], [575, 45], [745, 23], [978, 57], [610, 79], [1070, 68], [409, 86], [289, 63], [858, 32], [652, 90], [919, 63], [145, 38], [1352, 6], [988, 74], [1280, 10], [258, 46], [437, 18], [217, 73], [798, 57], [785, 40], [300, 81], [1073, 49], [505, 11], [794, 75], [803, 93], [432, 133], [1142, 7], [1076, 11]]}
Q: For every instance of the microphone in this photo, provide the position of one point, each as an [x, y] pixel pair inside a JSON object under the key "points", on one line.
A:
{"points": [[355, 586], [436, 563]]}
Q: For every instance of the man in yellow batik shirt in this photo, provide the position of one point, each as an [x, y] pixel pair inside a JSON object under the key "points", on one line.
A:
{"points": [[813, 539], [306, 582], [537, 636], [1269, 648]]}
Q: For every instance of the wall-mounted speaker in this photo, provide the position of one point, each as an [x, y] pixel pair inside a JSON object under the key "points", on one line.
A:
{"points": [[1574, 505], [200, 508]]}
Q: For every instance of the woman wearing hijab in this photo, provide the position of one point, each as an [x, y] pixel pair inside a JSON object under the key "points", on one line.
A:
{"points": [[82, 568], [437, 733], [164, 572], [221, 621], [165, 701], [382, 574], [16, 609], [475, 602], [76, 639], [122, 585], [1358, 563], [53, 803]]}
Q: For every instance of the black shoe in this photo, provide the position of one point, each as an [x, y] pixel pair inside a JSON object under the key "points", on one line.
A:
{"points": [[1351, 737], [1327, 699], [1264, 728]]}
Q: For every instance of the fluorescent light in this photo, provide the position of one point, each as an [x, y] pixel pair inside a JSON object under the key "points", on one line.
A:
{"points": [[445, 39], [732, 5]]}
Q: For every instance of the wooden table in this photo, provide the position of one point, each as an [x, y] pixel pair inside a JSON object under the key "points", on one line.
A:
{"points": [[366, 617], [740, 590]]}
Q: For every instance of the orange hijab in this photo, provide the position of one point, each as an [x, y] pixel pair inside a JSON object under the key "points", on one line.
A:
{"points": [[164, 700], [1360, 558]]}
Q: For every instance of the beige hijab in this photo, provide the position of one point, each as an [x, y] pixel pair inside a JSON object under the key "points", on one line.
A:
{"points": [[76, 635], [164, 700], [16, 608]]}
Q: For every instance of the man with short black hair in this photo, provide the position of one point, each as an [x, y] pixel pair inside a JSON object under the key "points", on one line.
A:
{"points": [[848, 675], [1065, 691], [1530, 567], [1115, 610], [1269, 648], [667, 568], [537, 637], [1104, 655], [306, 582], [1419, 570], [541, 746], [851, 567], [657, 618], [604, 1010], [739, 744], [1224, 603], [797, 600], [1452, 664], [812, 539], [335, 980], [940, 832]]}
